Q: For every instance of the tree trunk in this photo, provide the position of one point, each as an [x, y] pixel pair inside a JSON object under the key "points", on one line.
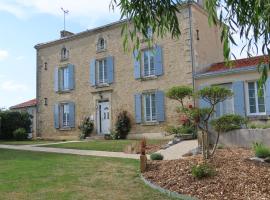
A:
{"points": [[215, 147]]}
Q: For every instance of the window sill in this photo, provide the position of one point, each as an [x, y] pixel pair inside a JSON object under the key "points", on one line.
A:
{"points": [[102, 85], [63, 59], [258, 117], [64, 91], [150, 123], [146, 78], [65, 129]]}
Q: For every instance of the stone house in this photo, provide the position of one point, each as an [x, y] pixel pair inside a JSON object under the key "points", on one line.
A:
{"points": [[242, 78], [89, 75], [31, 108]]}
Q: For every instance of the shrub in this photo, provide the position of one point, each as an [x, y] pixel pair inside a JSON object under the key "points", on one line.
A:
{"points": [[179, 93], [20, 134], [122, 125], [11, 121], [86, 127], [228, 123], [202, 171], [156, 156], [261, 150]]}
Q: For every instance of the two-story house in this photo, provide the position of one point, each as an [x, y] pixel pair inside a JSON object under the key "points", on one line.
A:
{"points": [[90, 74]]}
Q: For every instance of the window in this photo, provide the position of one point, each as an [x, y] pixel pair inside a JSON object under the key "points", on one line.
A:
{"points": [[149, 33], [150, 114], [64, 78], [256, 104], [148, 63], [64, 53], [65, 115], [101, 44], [102, 71], [45, 65]]}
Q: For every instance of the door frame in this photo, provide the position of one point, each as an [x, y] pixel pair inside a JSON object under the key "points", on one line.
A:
{"points": [[99, 102]]}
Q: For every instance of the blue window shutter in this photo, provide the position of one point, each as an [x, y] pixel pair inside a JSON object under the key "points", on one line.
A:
{"points": [[239, 98], [160, 106], [138, 108], [137, 65], [56, 81], [267, 96], [71, 114], [110, 69], [203, 103], [93, 72], [56, 115], [217, 109], [158, 61], [71, 78]]}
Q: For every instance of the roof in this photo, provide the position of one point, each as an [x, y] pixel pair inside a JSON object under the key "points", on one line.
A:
{"points": [[30, 103], [237, 64]]}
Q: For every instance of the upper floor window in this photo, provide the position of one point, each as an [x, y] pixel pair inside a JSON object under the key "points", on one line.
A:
{"points": [[64, 53], [256, 103], [102, 71], [64, 78], [101, 44], [149, 33], [148, 63], [150, 114]]}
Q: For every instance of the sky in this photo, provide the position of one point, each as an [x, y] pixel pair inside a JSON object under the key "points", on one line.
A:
{"points": [[25, 23]]}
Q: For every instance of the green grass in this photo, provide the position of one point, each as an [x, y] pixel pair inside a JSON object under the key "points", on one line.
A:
{"points": [[26, 142], [34, 175], [102, 145]]}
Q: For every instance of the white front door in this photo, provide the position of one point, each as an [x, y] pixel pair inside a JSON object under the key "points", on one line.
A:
{"points": [[104, 117]]}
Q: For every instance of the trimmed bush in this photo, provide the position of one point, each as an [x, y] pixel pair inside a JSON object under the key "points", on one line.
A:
{"points": [[20, 134], [156, 156], [86, 127], [122, 125], [11, 121], [202, 171], [261, 150]]}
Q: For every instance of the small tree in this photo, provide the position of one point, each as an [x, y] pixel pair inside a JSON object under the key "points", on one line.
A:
{"points": [[200, 117], [86, 127]]}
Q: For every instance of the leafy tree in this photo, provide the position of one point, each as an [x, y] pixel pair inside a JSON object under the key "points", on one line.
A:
{"points": [[179, 93], [249, 18]]}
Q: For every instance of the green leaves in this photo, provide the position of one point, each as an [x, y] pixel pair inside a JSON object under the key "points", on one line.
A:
{"points": [[179, 92]]}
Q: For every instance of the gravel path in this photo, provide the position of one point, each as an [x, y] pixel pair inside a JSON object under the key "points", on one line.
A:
{"points": [[178, 150], [71, 151]]}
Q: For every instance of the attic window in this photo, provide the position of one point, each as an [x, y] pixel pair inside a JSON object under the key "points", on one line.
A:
{"points": [[64, 53], [101, 44]]}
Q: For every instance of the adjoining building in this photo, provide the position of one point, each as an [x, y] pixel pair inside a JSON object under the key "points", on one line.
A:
{"points": [[242, 78], [89, 75], [31, 108]]}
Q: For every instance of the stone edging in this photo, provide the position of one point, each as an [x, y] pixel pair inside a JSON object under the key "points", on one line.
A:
{"points": [[165, 191]]}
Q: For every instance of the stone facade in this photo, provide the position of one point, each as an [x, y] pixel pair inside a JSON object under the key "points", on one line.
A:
{"points": [[198, 46]]}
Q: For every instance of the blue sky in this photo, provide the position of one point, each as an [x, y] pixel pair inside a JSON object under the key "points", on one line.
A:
{"points": [[24, 23]]}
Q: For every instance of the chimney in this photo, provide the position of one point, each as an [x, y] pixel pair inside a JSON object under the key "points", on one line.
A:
{"points": [[65, 33]]}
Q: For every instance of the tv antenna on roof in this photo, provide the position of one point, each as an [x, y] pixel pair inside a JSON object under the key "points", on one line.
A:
{"points": [[65, 13]]}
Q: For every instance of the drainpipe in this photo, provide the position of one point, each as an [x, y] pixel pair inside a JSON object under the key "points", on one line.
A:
{"points": [[191, 48], [37, 95]]}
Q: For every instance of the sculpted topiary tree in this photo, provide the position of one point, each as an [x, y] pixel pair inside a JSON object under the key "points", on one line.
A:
{"points": [[202, 116]]}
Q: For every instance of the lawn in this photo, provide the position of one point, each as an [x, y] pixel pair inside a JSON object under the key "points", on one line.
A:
{"points": [[103, 145], [26, 142], [35, 175]]}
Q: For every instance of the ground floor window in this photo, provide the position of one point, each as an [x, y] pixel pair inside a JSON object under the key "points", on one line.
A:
{"points": [[150, 114], [227, 106], [65, 115], [256, 102]]}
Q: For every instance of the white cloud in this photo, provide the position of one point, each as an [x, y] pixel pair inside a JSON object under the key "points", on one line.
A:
{"points": [[3, 54], [13, 86], [93, 10]]}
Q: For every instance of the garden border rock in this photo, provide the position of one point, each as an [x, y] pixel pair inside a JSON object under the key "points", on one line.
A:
{"points": [[165, 191]]}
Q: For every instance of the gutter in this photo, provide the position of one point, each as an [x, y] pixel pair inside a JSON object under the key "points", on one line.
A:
{"points": [[226, 72]]}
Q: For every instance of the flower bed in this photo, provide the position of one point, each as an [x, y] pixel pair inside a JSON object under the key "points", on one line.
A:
{"points": [[237, 177]]}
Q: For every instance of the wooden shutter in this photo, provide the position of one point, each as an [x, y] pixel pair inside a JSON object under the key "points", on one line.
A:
{"points": [[110, 68], [239, 98], [267, 96], [56, 79], [92, 72], [138, 108], [158, 61], [71, 78], [56, 115], [160, 106], [71, 114], [137, 65]]}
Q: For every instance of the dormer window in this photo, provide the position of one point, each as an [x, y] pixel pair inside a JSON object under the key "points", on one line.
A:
{"points": [[64, 53], [101, 45]]}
